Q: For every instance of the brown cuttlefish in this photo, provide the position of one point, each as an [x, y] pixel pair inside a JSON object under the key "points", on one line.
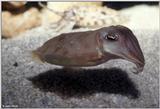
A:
{"points": [[91, 48]]}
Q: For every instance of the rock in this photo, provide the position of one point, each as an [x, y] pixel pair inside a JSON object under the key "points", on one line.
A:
{"points": [[13, 25], [12, 5], [84, 15], [63, 6], [49, 17]]}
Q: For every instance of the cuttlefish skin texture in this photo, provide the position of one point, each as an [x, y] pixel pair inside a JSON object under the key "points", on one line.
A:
{"points": [[91, 48]]}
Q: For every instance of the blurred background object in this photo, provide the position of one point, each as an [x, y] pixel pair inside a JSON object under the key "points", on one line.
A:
{"points": [[63, 6], [87, 14], [18, 17], [50, 17], [13, 25], [12, 5]]}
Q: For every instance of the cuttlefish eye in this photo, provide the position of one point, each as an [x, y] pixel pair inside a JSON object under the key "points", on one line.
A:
{"points": [[111, 37]]}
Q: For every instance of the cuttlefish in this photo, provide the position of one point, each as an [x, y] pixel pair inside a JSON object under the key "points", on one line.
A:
{"points": [[91, 48]]}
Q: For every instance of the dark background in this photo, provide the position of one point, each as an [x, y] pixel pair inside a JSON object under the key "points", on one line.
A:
{"points": [[121, 5]]}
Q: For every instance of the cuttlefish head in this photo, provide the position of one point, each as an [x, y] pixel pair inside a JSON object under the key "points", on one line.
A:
{"points": [[121, 42]]}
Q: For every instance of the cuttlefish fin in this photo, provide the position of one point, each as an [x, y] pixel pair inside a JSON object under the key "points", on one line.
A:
{"points": [[36, 57]]}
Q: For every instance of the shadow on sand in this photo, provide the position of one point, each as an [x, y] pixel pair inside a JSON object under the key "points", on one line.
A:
{"points": [[78, 83]]}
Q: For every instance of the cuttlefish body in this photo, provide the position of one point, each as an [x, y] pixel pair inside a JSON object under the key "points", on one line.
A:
{"points": [[91, 48]]}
